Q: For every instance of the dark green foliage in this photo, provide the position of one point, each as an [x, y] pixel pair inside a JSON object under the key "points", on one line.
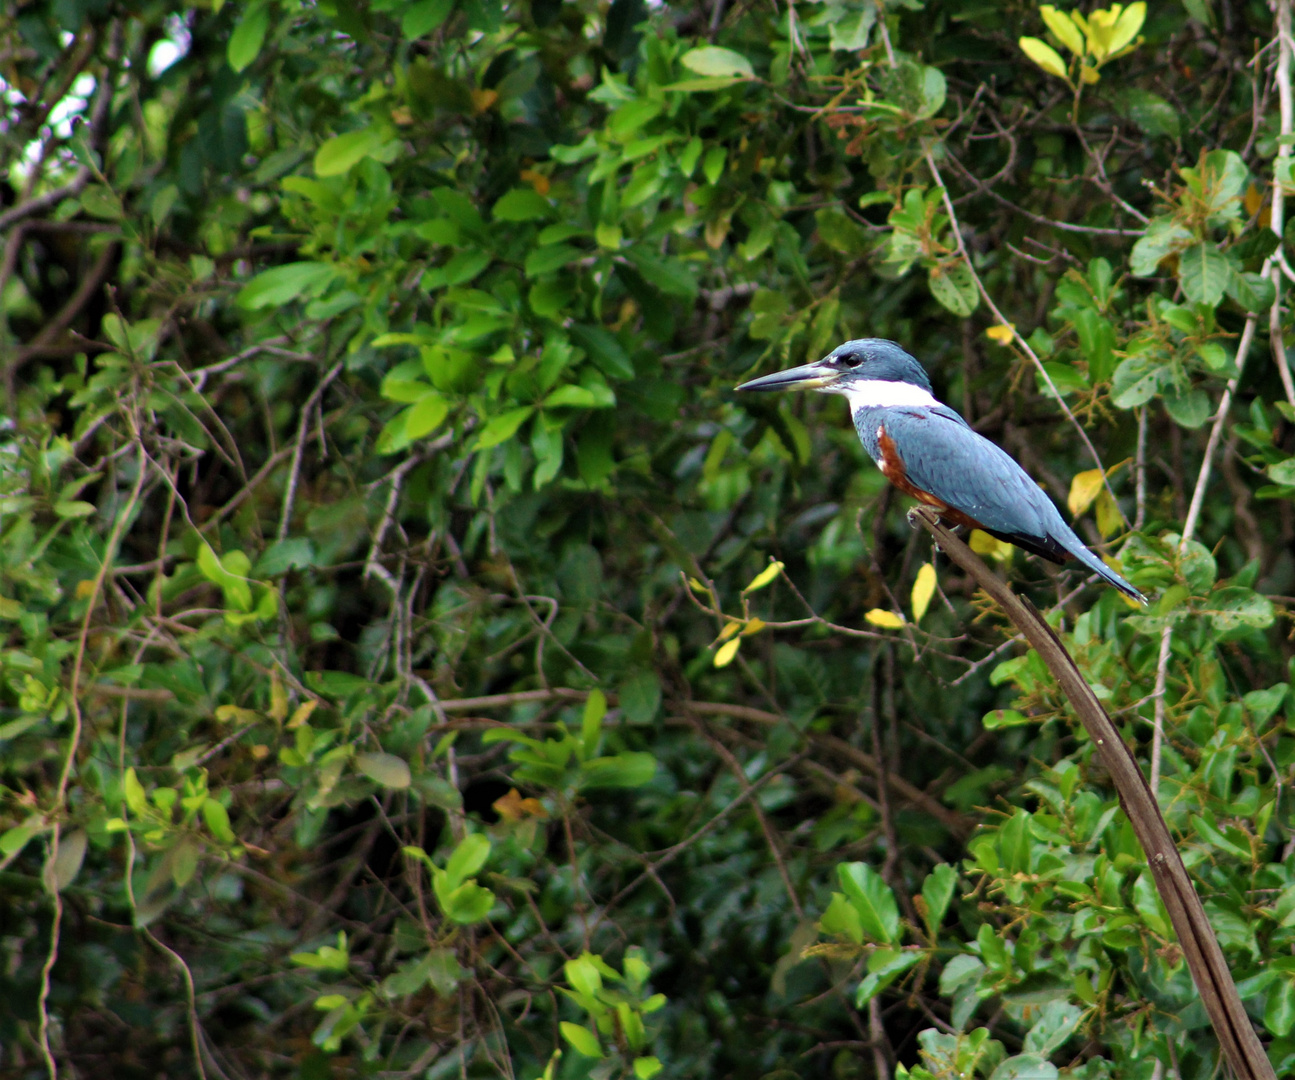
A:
{"points": [[418, 661]]}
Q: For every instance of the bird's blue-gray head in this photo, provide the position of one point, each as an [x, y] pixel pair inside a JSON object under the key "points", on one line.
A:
{"points": [[870, 372]]}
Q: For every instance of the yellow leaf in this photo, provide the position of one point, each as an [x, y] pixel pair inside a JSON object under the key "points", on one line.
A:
{"points": [[887, 620], [984, 544], [1044, 55], [697, 586], [923, 590], [727, 651], [1127, 25], [1101, 28], [765, 576], [301, 714], [1253, 200], [1064, 28], [84, 588], [1089, 75], [1083, 490], [225, 713], [753, 626], [1002, 333], [483, 99], [730, 630], [1109, 520]]}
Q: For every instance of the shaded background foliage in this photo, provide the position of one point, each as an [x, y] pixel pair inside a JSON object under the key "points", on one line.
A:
{"points": [[392, 680]]}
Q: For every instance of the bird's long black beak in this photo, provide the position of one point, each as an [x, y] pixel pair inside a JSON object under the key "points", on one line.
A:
{"points": [[813, 376]]}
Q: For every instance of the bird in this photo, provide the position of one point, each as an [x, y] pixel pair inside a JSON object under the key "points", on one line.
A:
{"points": [[926, 450]]}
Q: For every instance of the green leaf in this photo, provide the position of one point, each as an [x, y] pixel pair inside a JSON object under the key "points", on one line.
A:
{"points": [[521, 204], [955, 288], [468, 904], [872, 899], [628, 770], [604, 350], [1044, 55], [1279, 1011], [582, 1040], [468, 858], [217, 819], [842, 919], [282, 284], [1190, 408], [1204, 273], [715, 61], [640, 696], [849, 32], [248, 36], [425, 416], [1137, 380], [670, 276], [503, 427], [1150, 112], [1164, 236], [423, 17], [937, 891], [339, 153], [385, 769]]}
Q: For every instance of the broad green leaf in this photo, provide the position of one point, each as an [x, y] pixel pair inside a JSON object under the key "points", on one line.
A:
{"points": [[503, 427], [954, 287], [582, 1040], [627, 770], [849, 32], [842, 919], [604, 349], [424, 16], [282, 284], [937, 892], [384, 769], [1164, 237], [1279, 1012], [1190, 409], [713, 60], [1063, 28], [521, 204], [468, 858], [217, 819], [248, 36], [1044, 55], [640, 696], [1204, 272], [1137, 380], [426, 415], [339, 153], [873, 899]]}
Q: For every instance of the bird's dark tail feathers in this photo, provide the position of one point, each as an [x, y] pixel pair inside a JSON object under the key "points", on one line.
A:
{"points": [[1107, 574]]}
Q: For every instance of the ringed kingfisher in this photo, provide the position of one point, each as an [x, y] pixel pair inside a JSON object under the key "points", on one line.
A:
{"points": [[930, 452]]}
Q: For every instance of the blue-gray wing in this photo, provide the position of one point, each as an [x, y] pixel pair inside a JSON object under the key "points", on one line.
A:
{"points": [[943, 456]]}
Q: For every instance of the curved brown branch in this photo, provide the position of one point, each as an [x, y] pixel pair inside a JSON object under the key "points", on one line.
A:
{"points": [[1205, 960]]}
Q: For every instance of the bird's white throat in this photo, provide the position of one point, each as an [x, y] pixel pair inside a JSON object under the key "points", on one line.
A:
{"points": [[882, 393]]}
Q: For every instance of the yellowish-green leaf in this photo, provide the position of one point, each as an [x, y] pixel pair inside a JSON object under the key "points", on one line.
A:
{"points": [[1109, 519], [923, 590], [730, 630], [1083, 490], [753, 626], [887, 620], [984, 544], [1044, 55], [385, 769], [728, 651], [764, 577], [1002, 333], [71, 853], [1127, 25], [1063, 28]]}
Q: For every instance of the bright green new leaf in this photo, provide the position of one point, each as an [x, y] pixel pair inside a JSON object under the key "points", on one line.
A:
{"points": [[1044, 55], [1064, 28], [581, 1039], [503, 427], [873, 899], [385, 769], [339, 153], [282, 284], [713, 60], [248, 36]]}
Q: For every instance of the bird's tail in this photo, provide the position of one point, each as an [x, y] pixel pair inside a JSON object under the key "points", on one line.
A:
{"points": [[1106, 573]]}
